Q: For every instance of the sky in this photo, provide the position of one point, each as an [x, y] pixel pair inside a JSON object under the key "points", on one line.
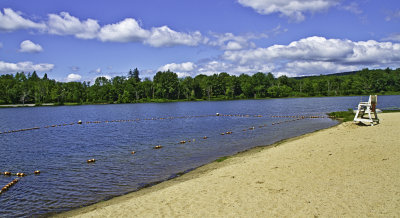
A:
{"points": [[79, 40]]}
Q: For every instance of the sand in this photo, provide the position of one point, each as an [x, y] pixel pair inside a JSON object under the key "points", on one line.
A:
{"points": [[344, 171]]}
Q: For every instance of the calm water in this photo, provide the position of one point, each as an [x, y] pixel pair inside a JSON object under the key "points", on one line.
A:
{"points": [[60, 153]]}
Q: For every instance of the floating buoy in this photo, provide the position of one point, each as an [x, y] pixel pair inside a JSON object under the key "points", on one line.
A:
{"points": [[133, 152], [7, 173], [182, 142], [222, 133], [228, 133], [21, 174], [6, 187], [91, 160], [157, 147], [37, 172], [217, 114], [205, 137]]}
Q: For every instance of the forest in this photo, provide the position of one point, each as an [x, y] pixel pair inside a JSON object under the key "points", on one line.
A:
{"points": [[21, 88]]}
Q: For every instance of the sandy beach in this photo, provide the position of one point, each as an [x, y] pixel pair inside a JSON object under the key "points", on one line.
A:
{"points": [[345, 171]]}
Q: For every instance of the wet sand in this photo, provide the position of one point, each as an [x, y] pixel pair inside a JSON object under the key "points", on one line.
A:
{"points": [[345, 171]]}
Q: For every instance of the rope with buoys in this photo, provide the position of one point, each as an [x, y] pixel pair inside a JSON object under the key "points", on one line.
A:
{"points": [[294, 118]]}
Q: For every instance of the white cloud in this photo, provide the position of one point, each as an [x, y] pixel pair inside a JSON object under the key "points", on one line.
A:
{"points": [[232, 45], [315, 55], [73, 77], [164, 36], [30, 47], [294, 9], [65, 24], [98, 70], [182, 69], [321, 49], [27, 66], [127, 30], [11, 21]]}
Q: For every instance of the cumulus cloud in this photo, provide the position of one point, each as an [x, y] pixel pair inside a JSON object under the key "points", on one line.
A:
{"points": [[322, 49], [164, 36], [182, 69], [30, 47], [127, 30], [73, 77], [294, 9], [65, 24], [27, 66], [320, 55], [11, 21]]}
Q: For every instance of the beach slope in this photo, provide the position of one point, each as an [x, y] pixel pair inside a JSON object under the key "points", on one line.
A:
{"points": [[347, 170]]}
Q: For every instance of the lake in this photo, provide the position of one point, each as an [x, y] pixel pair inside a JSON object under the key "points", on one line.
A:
{"points": [[60, 148]]}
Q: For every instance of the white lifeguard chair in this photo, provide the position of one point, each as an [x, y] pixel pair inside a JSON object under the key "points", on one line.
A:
{"points": [[367, 108]]}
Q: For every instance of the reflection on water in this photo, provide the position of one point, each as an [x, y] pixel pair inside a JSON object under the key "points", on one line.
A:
{"points": [[67, 181]]}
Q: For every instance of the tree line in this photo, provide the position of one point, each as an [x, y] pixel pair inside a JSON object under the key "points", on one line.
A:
{"points": [[21, 88]]}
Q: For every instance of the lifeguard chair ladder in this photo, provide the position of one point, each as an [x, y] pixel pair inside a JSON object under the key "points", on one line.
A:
{"points": [[367, 108]]}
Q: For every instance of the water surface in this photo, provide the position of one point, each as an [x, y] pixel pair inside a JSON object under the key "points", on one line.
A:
{"points": [[60, 153]]}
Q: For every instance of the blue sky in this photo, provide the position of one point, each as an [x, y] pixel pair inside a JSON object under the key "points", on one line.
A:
{"points": [[81, 40]]}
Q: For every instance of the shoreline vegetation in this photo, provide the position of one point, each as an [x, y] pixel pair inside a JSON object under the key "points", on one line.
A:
{"points": [[345, 170], [32, 90]]}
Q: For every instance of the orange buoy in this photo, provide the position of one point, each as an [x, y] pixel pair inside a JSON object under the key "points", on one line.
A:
{"points": [[157, 147], [133, 152], [37, 172], [7, 173]]}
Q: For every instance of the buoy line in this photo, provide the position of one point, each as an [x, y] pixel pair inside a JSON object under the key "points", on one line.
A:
{"points": [[37, 172], [131, 120]]}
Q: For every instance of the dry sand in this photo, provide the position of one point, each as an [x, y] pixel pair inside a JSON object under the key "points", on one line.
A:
{"points": [[344, 171]]}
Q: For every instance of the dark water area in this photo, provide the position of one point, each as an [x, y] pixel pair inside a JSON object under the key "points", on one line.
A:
{"points": [[67, 181]]}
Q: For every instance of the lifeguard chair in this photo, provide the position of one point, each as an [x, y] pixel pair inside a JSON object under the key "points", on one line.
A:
{"points": [[367, 108]]}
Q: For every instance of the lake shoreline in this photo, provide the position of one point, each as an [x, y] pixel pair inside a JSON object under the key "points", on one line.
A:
{"points": [[185, 186]]}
